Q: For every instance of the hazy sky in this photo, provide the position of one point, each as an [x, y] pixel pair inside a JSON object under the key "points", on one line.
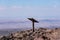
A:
{"points": [[49, 9]]}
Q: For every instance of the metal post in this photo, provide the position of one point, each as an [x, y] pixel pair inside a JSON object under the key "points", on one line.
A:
{"points": [[33, 26]]}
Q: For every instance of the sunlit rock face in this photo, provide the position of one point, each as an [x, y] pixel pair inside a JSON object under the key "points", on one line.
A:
{"points": [[39, 34]]}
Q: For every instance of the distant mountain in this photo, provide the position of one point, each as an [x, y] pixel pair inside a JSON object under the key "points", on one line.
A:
{"points": [[15, 22], [49, 20], [7, 31], [46, 23]]}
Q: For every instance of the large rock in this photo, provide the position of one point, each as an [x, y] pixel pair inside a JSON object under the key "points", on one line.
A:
{"points": [[39, 34]]}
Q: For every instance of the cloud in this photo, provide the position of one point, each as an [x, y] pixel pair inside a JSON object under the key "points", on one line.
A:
{"points": [[15, 7], [29, 8], [55, 4], [30, 11], [2, 8]]}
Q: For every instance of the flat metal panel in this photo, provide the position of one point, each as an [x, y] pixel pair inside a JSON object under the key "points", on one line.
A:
{"points": [[33, 20]]}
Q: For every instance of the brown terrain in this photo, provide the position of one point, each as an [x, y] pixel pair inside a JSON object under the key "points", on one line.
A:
{"points": [[39, 34]]}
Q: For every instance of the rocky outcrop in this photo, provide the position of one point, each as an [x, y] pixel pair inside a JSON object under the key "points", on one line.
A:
{"points": [[39, 34]]}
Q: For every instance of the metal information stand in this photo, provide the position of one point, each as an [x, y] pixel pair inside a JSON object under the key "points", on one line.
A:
{"points": [[33, 21]]}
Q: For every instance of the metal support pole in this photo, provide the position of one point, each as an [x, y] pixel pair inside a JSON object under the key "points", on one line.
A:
{"points": [[33, 25]]}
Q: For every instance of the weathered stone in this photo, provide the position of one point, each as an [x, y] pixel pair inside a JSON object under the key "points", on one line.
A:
{"points": [[39, 34]]}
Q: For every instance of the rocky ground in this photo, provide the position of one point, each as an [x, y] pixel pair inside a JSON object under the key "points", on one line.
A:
{"points": [[39, 34]]}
